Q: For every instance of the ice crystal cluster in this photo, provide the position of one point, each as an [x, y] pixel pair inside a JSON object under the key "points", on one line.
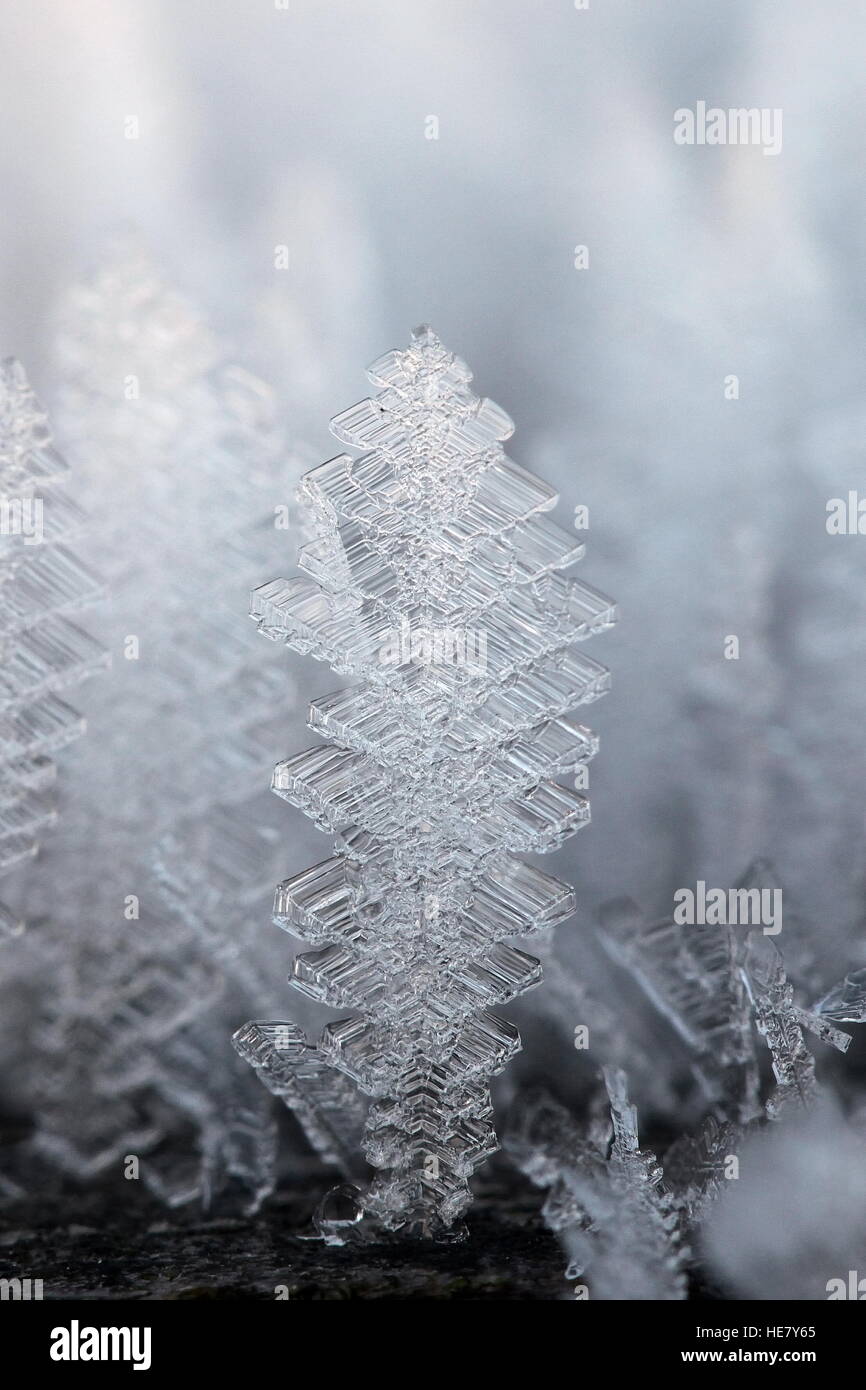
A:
{"points": [[434, 581], [606, 1197], [721, 988], [43, 652], [628, 1222], [184, 466]]}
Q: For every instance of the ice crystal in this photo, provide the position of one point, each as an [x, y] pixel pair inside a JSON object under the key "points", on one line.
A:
{"points": [[104, 1052], [845, 1002], [211, 871], [691, 976], [226, 1160], [773, 1002], [697, 1166], [434, 579], [714, 985], [782, 1022], [606, 1197], [721, 990], [328, 1106], [43, 653], [184, 461]]}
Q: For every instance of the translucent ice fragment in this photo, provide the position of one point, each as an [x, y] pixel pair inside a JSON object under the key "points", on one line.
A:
{"points": [[845, 1002]]}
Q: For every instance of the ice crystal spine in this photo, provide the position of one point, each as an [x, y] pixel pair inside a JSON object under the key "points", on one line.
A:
{"points": [[183, 450], [43, 652], [431, 545]]}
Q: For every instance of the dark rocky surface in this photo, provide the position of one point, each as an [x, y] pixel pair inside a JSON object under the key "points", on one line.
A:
{"points": [[116, 1243]]}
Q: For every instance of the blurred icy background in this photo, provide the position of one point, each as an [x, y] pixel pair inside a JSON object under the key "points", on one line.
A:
{"points": [[305, 127]]}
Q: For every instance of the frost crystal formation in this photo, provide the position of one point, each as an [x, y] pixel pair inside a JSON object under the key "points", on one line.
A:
{"points": [[632, 1226], [128, 1033], [42, 651], [606, 1196], [433, 579]]}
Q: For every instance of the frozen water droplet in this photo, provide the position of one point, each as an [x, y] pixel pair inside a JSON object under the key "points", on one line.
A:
{"points": [[338, 1214]]}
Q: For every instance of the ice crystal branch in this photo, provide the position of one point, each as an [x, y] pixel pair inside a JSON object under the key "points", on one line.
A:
{"points": [[185, 462], [43, 653], [606, 1197]]}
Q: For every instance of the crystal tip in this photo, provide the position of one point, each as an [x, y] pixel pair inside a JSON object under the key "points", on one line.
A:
{"points": [[423, 336]]}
